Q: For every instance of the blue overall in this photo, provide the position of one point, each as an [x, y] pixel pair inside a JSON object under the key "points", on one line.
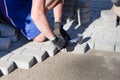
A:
{"points": [[18, 13]]}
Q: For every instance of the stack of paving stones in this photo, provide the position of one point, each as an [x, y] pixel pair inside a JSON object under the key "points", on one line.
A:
{"points": [[7, 35], [96, 7], [103, 34], [82, 10]]}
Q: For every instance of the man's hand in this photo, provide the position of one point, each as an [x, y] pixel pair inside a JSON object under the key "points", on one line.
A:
{"points": [[60, 43], [60, 32]]}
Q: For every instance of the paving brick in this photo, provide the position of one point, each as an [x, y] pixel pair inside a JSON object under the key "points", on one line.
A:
{"points": [[87, 34], [37, 45], [39, 55], [91, 43], [105, 45], [80, 48], [109, 24], [13, 38], [4, 43], [97, 36], [108, 15], [18, 50], [50, 48], [109, 31], [6, 30], [111, 38], [22, 61], [117, 48], [6, 66]]}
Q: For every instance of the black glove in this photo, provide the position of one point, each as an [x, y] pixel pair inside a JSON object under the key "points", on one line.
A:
{"points": [[60, 43], [60, 32]]}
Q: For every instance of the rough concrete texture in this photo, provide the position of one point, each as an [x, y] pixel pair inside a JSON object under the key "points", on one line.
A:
{"points": [[95, 65]]}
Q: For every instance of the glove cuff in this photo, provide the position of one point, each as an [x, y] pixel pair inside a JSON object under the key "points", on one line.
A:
{"points": [[54, 40]]}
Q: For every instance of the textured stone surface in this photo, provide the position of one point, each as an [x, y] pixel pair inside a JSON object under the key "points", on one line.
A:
{"points": [[80, 48], [6, 66], [50, 48], [39, 55], [22, 61], [105, 45]]}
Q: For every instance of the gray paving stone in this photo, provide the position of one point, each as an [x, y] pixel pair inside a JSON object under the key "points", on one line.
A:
{"points": [[50, 48], [19, 50], [6, 30], [109, 24], [4, 43], [6, 66], [22, 61], [109, 31], [97, 36], [111, 38], [91, 43], [39, 55], [80, 48], [117, 48], [13, 38], [105, 45], [108, 15], [37, 45], [87, 34]]}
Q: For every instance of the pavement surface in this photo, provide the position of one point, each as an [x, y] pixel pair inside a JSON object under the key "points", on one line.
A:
{"points": [[94, 65]]}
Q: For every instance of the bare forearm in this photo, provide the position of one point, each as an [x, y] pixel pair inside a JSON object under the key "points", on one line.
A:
{"points": [[43, 25], [38, 13]]}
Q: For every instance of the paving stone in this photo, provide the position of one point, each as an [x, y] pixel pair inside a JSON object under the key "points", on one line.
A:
{"points": [[13, 38], [108, 15], [99, 23], [111, 38], [91, 43], [19, 50], [50, 48], [105, 45], [6, 66], [87, 34], [109, 31], [39, 55], [80, 48], [117, 48], [97, 36], [37, 45], [4, 43], [6, 30], [22, 61], [109, 24]]}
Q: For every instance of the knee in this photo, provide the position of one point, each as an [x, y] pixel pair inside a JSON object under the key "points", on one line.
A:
{"points": [[116, 2]]}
